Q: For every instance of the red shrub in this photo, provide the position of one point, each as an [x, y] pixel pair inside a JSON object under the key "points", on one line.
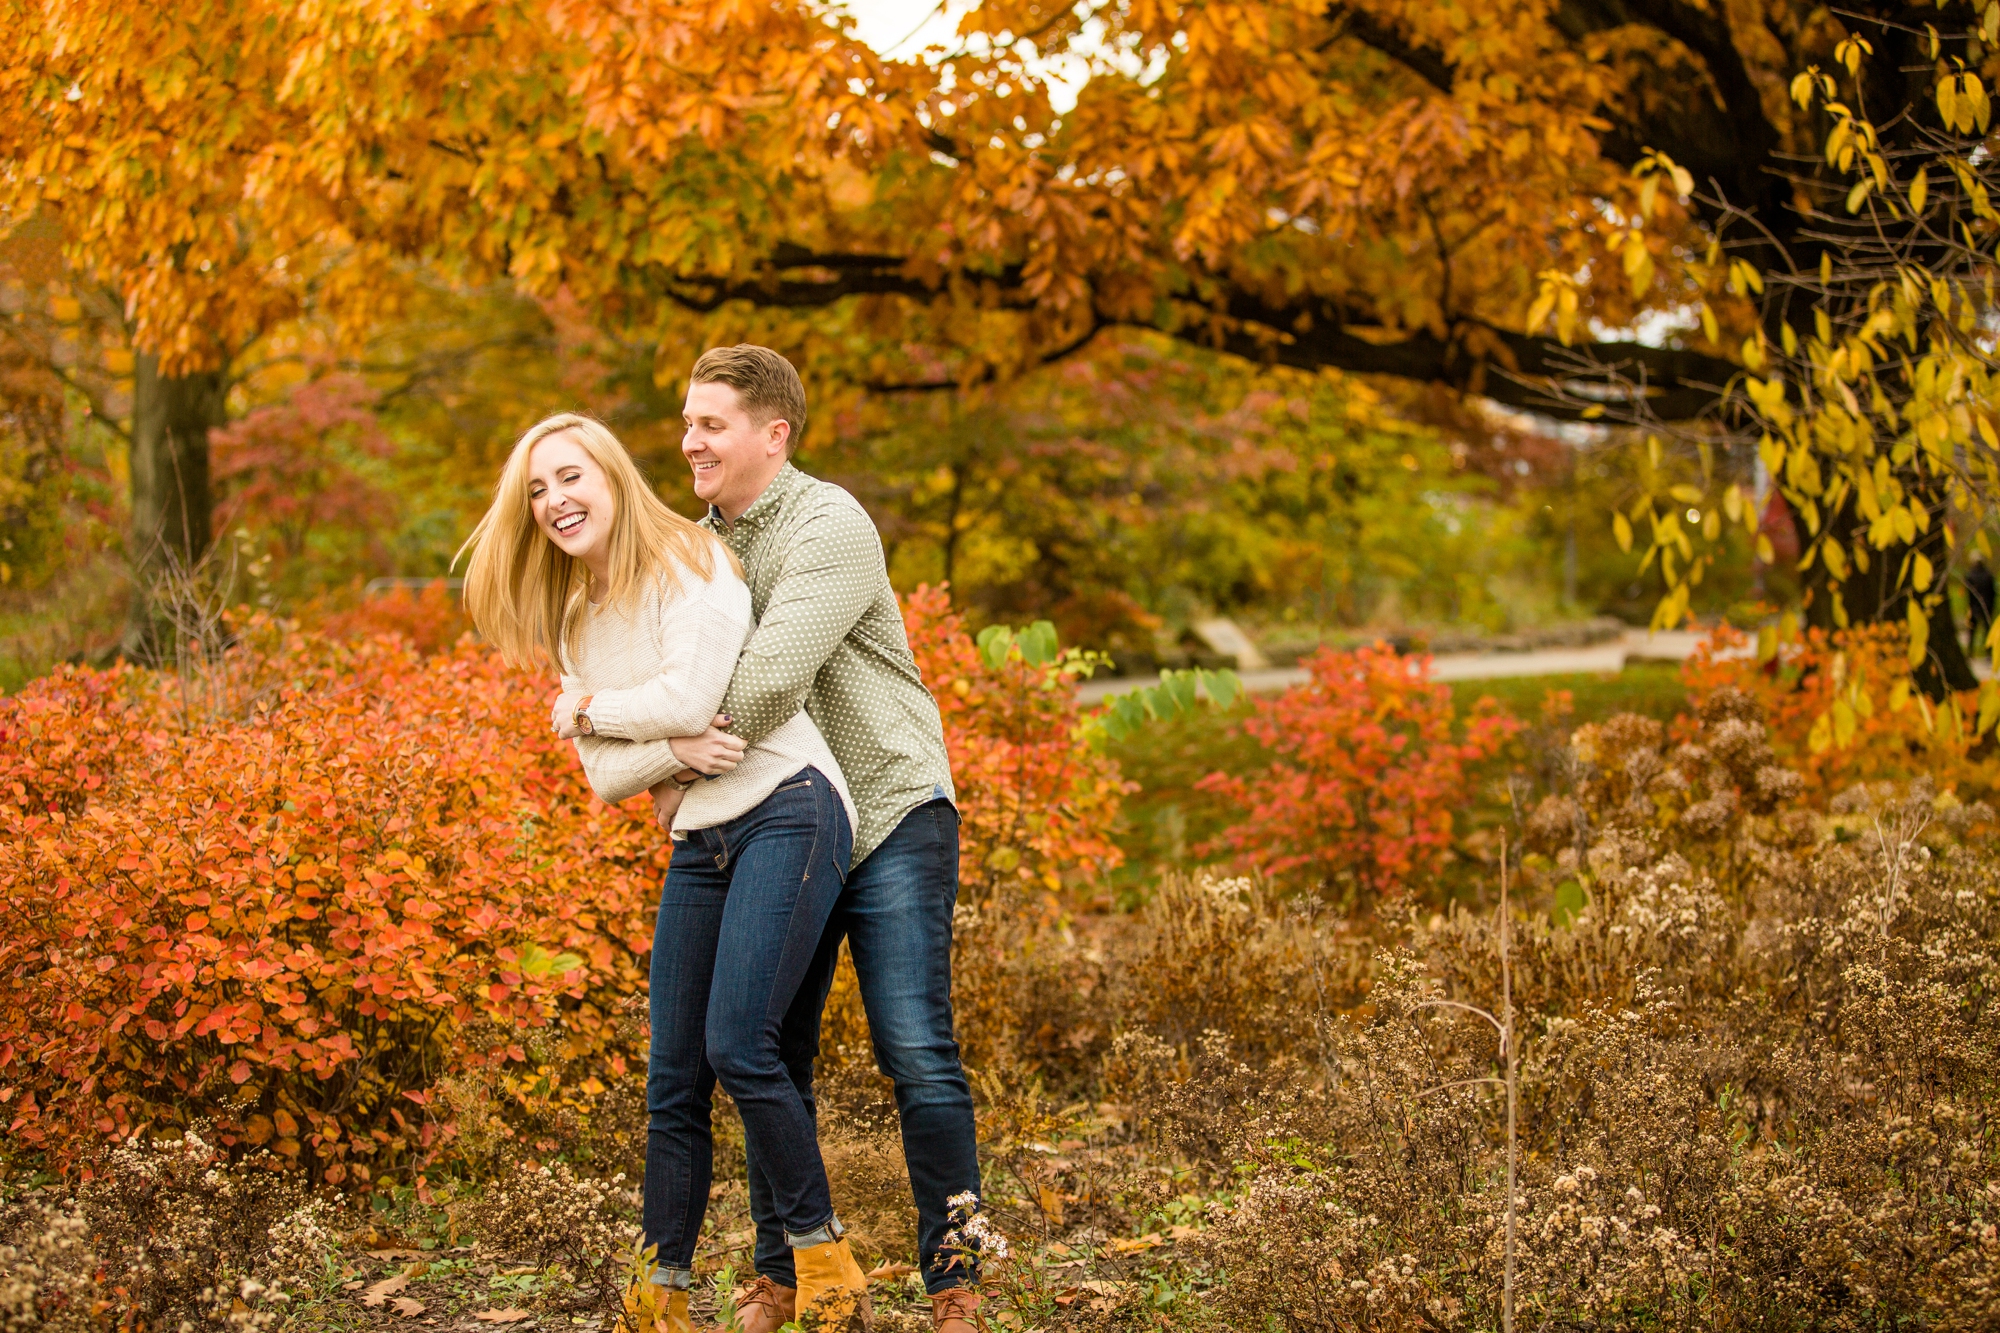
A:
{"points": [[285, 921], [1366, 774]]}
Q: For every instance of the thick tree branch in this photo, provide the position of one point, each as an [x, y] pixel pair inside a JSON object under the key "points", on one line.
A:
{"points": [[1476, 357], [990, 371], [1426, 62]]}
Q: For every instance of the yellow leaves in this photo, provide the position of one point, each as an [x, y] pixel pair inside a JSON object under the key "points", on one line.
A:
{"points": [[1768, 396], [1849, 53], [1558, 295], [1920, 189], [1810, 82], [1962, 102], [1860, 192], [1744, 278], [1920, 633], [1920, 571], [1637, 260], [1672, 609], [1654, 167], [1621, 530], [1845, 722]]}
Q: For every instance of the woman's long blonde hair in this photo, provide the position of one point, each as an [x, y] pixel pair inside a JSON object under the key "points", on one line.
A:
{"points": [[523, 591]]}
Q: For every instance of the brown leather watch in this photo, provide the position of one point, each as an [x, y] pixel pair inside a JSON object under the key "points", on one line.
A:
{"points": [[581, 717]]}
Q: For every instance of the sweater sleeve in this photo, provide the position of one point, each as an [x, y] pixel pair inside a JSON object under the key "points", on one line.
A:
{"points": [[830, 575], [701, 630], [618, 770]]}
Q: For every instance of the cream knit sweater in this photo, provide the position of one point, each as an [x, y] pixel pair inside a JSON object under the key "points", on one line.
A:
{"points": [[660, 671]]}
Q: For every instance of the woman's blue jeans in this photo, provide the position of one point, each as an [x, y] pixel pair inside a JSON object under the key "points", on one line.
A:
{"points": [[741, 917]]}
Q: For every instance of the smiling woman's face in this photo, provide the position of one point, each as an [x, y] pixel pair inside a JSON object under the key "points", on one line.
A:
{"points": [[571, 500]]}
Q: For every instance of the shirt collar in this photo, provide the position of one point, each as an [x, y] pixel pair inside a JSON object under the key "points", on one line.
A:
{"points": [[766, 506]]}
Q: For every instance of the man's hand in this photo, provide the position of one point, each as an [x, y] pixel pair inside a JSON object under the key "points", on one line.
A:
{"points": [[712, 753], [667, 797], [563, 714]]}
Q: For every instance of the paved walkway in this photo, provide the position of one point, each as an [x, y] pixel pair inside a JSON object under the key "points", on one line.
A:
{"points": [[1634, 645]]}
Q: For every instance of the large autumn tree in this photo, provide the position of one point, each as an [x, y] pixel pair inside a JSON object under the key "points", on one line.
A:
{"points": [[1491, 197], [143, 139]]}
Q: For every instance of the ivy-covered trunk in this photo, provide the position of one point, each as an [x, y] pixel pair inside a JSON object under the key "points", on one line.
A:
{"points": [[171, 533]]}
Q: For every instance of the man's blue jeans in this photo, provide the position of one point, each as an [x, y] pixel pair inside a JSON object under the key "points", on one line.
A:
{"points": [[741, 917], [895, 914]]}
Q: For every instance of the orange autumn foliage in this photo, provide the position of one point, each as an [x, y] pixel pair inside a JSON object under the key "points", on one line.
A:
{"points": [[289, 917], [1855, 687], [285, 920], [1037, 802], [1368, 765]]}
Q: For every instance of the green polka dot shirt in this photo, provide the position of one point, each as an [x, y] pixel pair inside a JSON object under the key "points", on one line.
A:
{"points": [[829, 638]]}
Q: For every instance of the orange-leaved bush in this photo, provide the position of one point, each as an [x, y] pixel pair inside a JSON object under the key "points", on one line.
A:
{"points": [[1368, 764], [1842, 708], [431, 617], [285, 919], [1037, 801]]}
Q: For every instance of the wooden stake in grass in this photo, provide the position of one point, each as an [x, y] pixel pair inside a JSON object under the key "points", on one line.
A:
{"points": [[1504, 1027]]}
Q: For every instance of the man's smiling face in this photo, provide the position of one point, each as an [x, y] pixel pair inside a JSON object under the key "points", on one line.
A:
{"points": [[733, 456]]}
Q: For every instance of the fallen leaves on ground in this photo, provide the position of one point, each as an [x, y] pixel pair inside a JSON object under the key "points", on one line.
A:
{"points": [[510, 1315], [383, 1290]]}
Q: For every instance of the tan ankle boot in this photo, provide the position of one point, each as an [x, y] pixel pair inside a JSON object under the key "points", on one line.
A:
{"points": [[956, 1310], [831, 1285], [651, 1308], [765, 1307]]}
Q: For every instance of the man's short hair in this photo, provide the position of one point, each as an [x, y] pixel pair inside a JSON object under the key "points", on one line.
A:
{"points": [[767, 384]]}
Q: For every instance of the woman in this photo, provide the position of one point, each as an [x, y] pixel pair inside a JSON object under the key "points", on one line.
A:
{"points": [[578, 564]]}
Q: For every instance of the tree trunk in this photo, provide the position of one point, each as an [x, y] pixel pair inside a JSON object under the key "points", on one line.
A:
{"points": [[171, 419], [1879, 596]]}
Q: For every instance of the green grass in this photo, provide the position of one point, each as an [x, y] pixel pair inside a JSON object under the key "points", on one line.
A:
{"points": [[1651, 688], [1167, 819]]}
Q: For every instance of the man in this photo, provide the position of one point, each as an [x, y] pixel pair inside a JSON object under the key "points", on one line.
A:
{"points": [[830, 636]]}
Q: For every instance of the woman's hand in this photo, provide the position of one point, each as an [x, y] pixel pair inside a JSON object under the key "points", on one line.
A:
{"points": [[712, 753], [667, 797], [563, 714]]}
